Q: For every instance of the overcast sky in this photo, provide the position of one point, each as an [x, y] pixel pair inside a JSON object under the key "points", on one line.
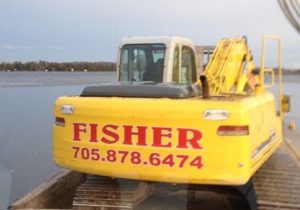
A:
{"points": [[90, 30]]}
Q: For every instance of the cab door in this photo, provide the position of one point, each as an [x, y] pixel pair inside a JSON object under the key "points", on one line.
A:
{"points": [[184, 65]]}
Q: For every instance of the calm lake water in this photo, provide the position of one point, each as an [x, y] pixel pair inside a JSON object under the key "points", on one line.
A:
{"points": [[26, 106]]}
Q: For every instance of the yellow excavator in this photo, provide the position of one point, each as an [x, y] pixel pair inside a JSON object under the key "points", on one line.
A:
{"points": [[161, 124]]}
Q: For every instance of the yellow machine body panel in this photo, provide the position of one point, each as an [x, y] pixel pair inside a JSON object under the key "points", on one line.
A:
{"points": [[167, 140]]}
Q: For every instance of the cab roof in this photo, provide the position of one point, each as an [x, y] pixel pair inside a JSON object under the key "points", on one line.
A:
{"points": [[167, 40]]}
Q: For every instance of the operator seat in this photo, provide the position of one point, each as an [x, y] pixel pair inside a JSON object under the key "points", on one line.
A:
{"points": [[154, 72]]}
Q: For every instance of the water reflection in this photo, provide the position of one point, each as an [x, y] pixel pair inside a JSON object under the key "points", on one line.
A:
{"points": [[26, 117], [5, 186]]}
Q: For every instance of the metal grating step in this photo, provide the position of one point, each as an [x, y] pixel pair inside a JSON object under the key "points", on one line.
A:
{"points": [[277, 183], [104, 193]]}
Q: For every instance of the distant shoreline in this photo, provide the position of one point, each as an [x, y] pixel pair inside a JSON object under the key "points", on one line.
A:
{"points": [[59, 71], [294, 71], [285, 72], [45, 66], [101, 66]]}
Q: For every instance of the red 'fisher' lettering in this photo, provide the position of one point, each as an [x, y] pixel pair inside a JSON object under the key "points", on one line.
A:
{"points": [[78, 127], [184, 139], [158, 136], [93, 136], [137, 135], [110, 131], [140, 134]]}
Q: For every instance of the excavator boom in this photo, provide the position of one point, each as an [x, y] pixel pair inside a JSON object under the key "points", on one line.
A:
{"points": [[230, 66]]}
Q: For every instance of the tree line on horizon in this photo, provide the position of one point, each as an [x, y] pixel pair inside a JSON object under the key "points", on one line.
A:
{"points": [[57, 66], [80, 66]]}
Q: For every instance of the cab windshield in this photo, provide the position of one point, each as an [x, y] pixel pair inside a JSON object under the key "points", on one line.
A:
{"points": [[142, 62]]}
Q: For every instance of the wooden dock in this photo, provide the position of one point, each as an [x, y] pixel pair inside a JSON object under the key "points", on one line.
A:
{"points": [[56, 193]]}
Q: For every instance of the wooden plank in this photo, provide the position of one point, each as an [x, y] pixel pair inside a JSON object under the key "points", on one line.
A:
{"points": [[56, 193]]}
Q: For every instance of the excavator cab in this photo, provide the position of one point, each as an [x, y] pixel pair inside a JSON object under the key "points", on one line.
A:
{"points": [[157, 59]]}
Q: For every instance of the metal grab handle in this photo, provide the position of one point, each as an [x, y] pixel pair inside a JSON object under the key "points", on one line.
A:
{"points": [[277, 39]]}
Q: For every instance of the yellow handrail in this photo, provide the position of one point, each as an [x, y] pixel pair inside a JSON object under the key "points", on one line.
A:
{"points": [[262, 66]]}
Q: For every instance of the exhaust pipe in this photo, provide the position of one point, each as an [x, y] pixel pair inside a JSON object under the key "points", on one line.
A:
{"points": [[204, 84]]}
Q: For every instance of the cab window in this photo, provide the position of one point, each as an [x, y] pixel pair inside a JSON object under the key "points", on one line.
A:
{"points": [[184, 66], [142, 62], [175, 76], [188, 71]]}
